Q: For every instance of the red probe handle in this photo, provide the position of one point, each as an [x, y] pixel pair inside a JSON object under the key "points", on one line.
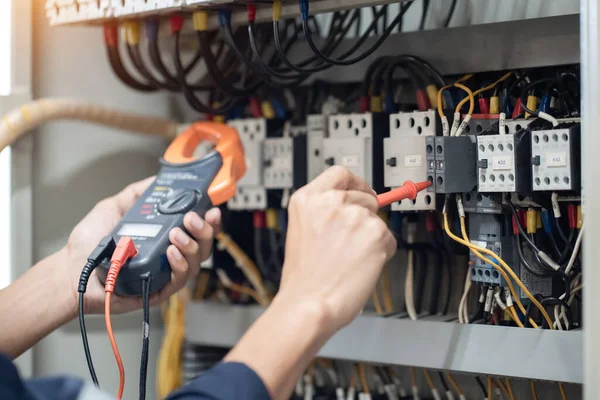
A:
{"points": [[407, 191]]}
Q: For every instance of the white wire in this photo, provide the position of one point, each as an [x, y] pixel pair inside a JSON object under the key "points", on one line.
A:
{"points": [[409, 297], [463, 307], [575, 251]]}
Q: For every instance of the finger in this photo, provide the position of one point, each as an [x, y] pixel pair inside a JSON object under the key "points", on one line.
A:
{"points": [[186, 245], [340, 178], [202, 232], [358, 198], [128, 196], [179, 272], [214, 218]]}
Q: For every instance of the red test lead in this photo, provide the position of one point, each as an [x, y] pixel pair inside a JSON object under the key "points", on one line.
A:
{"points": [[407, 191]]}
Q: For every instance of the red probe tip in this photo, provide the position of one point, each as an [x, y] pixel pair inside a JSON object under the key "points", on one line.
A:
{"points": [[407, 191]]}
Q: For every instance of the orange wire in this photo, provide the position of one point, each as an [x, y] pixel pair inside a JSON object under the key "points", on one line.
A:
{"points": [[113, 343]]}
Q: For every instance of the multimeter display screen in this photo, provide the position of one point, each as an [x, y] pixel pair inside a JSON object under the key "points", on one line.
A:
{"points": [[143, 230]]}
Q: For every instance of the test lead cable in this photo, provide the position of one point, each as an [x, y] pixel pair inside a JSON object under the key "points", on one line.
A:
{"points": [[125, 250], [146, 288], [103, 250]]}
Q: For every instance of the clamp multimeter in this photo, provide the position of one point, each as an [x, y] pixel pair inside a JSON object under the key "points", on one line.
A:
{"points": [[183, 184]]}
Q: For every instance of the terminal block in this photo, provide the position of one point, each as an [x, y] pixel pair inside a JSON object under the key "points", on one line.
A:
{"points": [[504, 163], [491, 232], [405, 156], [452, 160], [356, 142], [556, 159]]}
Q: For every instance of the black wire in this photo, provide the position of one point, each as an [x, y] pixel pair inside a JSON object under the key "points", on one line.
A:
{"points": [[526, 90], [136, 59], [377, 64], [190, 96], [159, 65], [443, 380], [86, 344], [340, 31], [114, 57], [146, 285], [424, 14], [525, 263], [215, 71], [481, 386], [450, 13], [342, 61]]}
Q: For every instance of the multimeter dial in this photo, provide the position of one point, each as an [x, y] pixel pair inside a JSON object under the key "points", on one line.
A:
{"points": [[179, 202]]}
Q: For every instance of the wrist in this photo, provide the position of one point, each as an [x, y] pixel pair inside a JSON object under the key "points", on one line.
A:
{"points": [[308, 313], [64, 282]]}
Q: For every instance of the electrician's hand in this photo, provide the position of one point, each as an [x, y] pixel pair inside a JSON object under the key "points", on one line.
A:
{"points": [[336, 246], [185, 254]]}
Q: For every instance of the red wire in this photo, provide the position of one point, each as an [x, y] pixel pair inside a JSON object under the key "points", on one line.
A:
{"points": [[113, 343]]}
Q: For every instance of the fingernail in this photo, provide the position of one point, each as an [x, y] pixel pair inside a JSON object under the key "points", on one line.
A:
{"points": [[214, 214], [181, 238], [176, 254], [196, 222]]}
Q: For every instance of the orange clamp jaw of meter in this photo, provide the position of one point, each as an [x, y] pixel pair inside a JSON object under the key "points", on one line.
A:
{"points": [[227, 143]]}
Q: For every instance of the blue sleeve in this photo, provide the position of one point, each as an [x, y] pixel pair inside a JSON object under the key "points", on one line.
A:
{"points": [[12, 387], [227, 381]]}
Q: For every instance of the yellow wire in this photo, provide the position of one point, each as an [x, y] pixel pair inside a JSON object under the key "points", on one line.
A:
{"points": [[413, 377], [386, 288], [377, 302], [454, 384], [440, 107], [471, 98], [513, 315], [363, 378], [499, 383], [563, 392], [490, 388], [201, 285], [247, 291], [487, 260], [353, 378], [169, 358], [510, 391], [477, 249], [484, 89], [533, 390], [429, 380]]}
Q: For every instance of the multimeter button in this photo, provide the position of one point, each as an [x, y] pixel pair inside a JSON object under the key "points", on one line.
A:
{"points": [[179, 202]]}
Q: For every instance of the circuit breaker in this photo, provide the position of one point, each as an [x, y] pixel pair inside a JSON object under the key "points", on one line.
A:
{"points": [[405, 156], [356, 142], [490, 232], [503, 162], [452, 161], [555, 159], [251, 193], [316, 133], [278, 163]]}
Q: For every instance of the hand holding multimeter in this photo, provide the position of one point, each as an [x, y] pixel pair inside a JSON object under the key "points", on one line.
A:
{"points": [[182, 185]]}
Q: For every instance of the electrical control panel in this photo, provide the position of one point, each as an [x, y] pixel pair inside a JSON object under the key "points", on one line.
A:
{"points": [[405, 156], [555, 159], [356, 142], [452, 160]]}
